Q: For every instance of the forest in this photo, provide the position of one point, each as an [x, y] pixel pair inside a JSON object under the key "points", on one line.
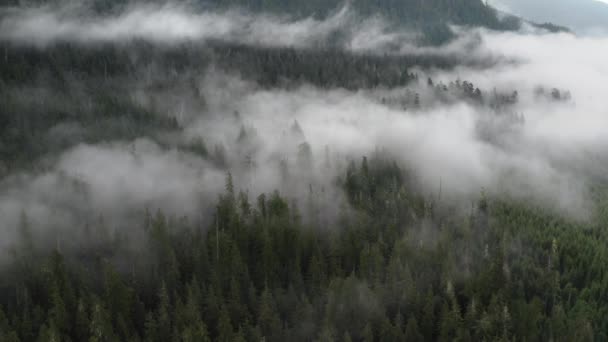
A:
{"points": [[231, 189], [431, 17], [262, 271]]}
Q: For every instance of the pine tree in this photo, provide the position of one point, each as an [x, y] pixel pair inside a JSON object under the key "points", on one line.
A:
{"points": [[268, 318], [100, 329], [82, 323], [428, 317], [163, 315], [224, 328], [368, 333], [6, 333], [412, 332]]}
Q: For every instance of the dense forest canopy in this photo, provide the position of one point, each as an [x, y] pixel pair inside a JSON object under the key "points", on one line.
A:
{"points": [[461, 12], [430, 17], [299, 171]]}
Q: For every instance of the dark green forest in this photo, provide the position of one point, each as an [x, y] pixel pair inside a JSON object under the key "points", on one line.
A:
{"points": [[397, 265], [431, 17], [391, 262], [103, 74], [258, 272]]}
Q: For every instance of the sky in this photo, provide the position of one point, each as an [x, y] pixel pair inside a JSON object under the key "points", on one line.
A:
{"points": [[584, 17]]}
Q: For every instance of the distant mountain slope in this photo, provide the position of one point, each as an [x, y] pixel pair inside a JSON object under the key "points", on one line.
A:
{"points": [[429, 16], [462, 12], [473, 12], [583, 16]]}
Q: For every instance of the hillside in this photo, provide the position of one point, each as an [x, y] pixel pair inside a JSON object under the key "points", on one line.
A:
{"points": [[463, 12], [297, 171], [430, 16]]}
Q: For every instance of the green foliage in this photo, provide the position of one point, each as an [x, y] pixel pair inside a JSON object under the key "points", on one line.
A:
{"points": [[528, 276], [398, 266]]}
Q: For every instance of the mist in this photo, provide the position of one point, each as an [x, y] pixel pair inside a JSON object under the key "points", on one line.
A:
{"points": [[175, 23], [282, 138]]}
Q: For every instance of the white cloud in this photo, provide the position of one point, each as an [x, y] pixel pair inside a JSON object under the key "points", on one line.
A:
{"points": [[549, 159], [176, 23]]}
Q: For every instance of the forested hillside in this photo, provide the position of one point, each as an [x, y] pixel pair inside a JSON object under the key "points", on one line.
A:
{"points": [[189, 174], [461, 12], [430, 17], [398, 268], [394, 265]]}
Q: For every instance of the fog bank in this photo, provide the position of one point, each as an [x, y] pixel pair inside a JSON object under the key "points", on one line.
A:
{"points": [[299, 140]]}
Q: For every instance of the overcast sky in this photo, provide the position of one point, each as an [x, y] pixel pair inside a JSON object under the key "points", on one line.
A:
{"points": [[584, 17]]}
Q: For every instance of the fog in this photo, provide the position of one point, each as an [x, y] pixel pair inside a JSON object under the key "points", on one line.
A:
{"points": [[551, 158], [464, 147], [175, 23], [117, 181]]}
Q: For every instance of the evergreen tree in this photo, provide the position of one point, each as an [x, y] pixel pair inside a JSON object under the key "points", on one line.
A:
{"points": [[412, 332]]}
